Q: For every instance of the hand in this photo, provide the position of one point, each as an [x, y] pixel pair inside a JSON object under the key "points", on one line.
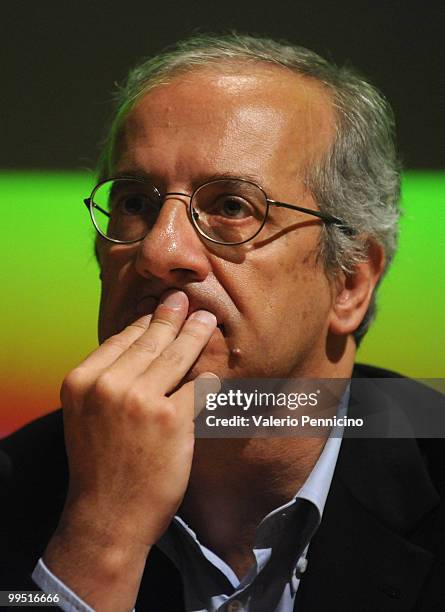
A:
{"points": [[130, 448]]}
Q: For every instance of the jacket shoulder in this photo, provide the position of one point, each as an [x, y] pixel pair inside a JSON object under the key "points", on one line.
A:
{"points": [[33, 485], [36, 447]]}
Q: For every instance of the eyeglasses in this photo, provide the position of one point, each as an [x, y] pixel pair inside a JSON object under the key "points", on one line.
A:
{"points": [[224, 211]]}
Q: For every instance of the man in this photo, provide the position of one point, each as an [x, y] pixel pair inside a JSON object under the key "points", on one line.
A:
{"points": [[247, 209]]}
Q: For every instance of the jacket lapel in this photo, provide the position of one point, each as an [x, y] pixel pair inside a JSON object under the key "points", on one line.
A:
{"points": [[161, 585], [361, 557]]}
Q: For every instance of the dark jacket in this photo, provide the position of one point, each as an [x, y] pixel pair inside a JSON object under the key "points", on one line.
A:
{"points": [[380, 546]]}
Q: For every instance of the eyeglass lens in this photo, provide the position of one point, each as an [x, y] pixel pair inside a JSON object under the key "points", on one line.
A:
{"points": [[226, 210]]}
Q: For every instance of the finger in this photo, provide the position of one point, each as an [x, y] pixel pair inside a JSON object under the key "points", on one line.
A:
{"points": [[165, 325], [191, 398], [170, 367], [86, 373], [115, 345]]}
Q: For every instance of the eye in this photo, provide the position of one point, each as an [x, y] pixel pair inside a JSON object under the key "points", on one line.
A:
{"points": [[232, 207], [134, 204]]}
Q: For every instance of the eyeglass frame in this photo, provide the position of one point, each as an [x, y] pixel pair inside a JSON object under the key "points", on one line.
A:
{"points": [[90, 204]]}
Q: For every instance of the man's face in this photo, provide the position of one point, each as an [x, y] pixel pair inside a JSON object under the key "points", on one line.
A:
{"points": [[271, 295]]}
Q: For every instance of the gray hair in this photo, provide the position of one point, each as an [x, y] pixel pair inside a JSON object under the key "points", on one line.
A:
{"points": [[357, 180]]}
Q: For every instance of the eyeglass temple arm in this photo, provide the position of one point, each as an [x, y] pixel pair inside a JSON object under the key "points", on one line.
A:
{"points": [[88, 203], [327, 218], [315, 213]]}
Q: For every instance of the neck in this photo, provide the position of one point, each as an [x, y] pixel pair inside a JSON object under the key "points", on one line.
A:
{"points": [[235, 483]]}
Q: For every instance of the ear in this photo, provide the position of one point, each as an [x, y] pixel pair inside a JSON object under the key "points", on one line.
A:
{"points": [[353, 292]]}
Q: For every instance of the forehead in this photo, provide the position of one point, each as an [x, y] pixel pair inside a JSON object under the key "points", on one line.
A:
{"points": [[231, 118]]}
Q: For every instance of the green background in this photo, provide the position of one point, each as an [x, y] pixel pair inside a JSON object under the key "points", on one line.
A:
{"points": [[50, 287]]}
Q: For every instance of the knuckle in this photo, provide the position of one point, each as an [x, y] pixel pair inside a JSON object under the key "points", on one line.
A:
{"points": [[146, 345], [135, 402], [116, 341], [165, 414], [195, 332], [163, 322], [73, 385], [140, 407], [139, 324], [105, 387], [171, 356]]}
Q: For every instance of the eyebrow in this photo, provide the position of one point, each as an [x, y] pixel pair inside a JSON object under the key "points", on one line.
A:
{"points": [[200, 179], [134, 174], [216, 176]]}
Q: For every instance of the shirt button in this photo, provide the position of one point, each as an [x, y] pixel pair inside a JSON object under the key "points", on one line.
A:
{"points": [[235, 606], [301, 566]]}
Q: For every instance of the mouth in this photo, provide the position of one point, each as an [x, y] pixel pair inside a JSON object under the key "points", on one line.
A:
{"points": [[221, 328]]}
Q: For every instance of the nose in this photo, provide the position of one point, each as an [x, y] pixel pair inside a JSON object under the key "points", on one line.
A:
{"points": [[172, 251]]}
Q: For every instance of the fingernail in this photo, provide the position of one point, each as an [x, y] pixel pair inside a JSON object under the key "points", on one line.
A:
{"points": [[211, 380], [204, 316], [176, 299]]}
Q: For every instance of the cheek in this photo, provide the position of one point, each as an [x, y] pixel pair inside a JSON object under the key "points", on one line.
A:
{"points": [[290, 288], [117, 277], [116, 263], [288, 300]]}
